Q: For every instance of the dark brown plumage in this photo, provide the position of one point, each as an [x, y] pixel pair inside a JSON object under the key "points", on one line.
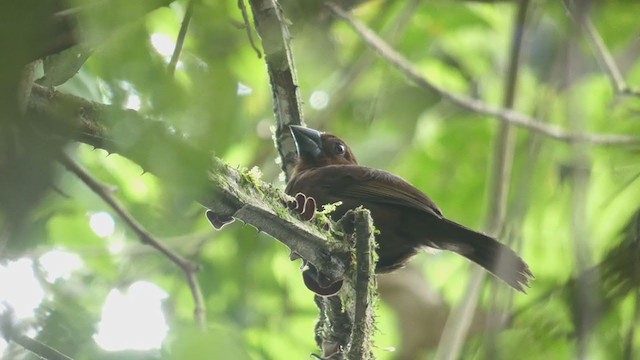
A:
{"points": [[407, 219]]}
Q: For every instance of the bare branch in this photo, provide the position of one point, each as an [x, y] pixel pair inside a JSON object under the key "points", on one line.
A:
{"points": [[42, 350], [145, 237], [348, 77], [603, 55], [608, 62], [506, 115], [586, 309]]}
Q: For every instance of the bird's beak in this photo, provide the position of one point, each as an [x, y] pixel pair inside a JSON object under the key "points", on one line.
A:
{"points": [[308, 141]]}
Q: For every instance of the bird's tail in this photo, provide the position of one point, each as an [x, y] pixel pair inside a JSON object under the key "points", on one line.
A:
{"points": [[487, 252]]}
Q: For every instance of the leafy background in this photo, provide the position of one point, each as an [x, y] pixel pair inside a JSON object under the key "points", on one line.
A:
{"points": [[220, 98]]}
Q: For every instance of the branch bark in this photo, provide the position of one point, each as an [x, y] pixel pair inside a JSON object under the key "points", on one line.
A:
{"points": [[364, 281], [271, 26]]}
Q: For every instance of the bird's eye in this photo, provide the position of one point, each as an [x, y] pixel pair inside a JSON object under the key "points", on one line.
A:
{"points": [[340, 149]]}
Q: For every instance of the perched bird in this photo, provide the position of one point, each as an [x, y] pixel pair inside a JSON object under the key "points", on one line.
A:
{"points": [[407, 219]]}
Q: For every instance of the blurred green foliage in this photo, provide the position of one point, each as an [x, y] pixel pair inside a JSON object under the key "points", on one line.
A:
{"points": [[257, 306]]}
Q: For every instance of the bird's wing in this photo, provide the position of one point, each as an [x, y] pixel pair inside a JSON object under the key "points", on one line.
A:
{"points": [[373, 185]]}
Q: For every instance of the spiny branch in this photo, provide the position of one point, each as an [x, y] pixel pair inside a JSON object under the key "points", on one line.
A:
{"points": [[271, 26]]}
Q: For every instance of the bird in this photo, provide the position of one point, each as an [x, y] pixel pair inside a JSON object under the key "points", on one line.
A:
{"points": [[327, 172]]}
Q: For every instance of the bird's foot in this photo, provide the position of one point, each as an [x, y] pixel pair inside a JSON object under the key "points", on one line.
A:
{"points": [[303, 205], [318, 282]]}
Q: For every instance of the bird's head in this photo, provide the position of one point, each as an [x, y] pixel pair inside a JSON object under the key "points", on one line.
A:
{"points": [[317, 149]]}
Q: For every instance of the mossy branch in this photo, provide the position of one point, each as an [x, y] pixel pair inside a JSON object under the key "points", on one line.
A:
{"points": [[346, 324], [195, 173], [364, 281]]}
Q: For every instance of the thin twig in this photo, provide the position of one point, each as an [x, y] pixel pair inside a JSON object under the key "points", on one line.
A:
{"points": [[11, 333], [181, 36], [145, 237], [604, 57], [503, 166], [361, 60], [247, 26], [480, 107], [586, 308], [199, 309], [41, 350]]}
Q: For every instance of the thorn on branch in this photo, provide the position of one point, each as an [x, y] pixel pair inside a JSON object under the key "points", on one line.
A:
{"points": [[217, 220]]}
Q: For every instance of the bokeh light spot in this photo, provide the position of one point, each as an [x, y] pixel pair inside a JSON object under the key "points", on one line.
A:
{"points": [[133, 320], [59, 264], [102, 224], [319, 100]]}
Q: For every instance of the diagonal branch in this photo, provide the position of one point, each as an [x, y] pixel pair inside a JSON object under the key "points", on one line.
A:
{"points": [[506, 115], [145, 237], [606, 59], [169, 155], [361, 60], [182, 33], [40, 349], [603, 55], [36, 347]]}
